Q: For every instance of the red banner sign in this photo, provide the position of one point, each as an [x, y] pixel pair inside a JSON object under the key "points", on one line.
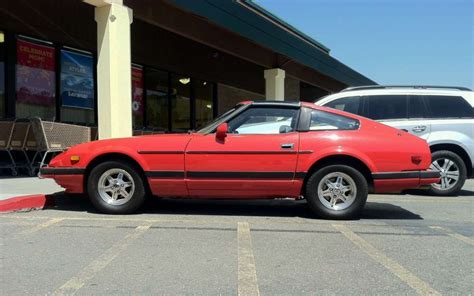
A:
{"points": [[35, 77], [137, 91]]}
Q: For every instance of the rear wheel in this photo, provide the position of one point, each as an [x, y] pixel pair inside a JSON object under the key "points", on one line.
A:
{"points": [[453, 172], [116, 188], [337, 192]]}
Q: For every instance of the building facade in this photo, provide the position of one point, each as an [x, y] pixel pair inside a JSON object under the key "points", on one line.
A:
{"points": [[189, 61]]}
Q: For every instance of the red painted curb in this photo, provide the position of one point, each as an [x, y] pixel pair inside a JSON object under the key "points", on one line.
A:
{"points": [[19, 203]]}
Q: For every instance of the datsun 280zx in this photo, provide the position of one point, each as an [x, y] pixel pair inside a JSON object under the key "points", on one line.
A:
{"points": [[257, 150]]}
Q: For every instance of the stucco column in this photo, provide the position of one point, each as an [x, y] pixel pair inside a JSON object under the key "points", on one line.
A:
{"points": [[113, 68], [275, 84]]}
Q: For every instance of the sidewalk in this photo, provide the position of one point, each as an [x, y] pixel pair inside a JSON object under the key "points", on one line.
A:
{"points": [[22, 186]]}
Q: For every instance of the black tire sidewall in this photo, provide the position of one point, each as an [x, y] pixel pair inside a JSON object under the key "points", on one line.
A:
{"points": [[132, 205], [462, 172], [354, 210]]}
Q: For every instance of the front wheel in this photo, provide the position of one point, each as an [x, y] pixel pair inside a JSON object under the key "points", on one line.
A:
{"points": [[452, 170], [116, 188], [337, 192]]}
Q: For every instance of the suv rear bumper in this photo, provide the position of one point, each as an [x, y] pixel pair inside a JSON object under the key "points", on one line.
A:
{"points": [[398, 181]]}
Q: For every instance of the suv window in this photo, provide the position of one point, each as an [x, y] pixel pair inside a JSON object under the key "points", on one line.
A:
{"points": [[449, 107], [416, 108], [263, 120], [348, 104], [321, 120], [387, 106]]}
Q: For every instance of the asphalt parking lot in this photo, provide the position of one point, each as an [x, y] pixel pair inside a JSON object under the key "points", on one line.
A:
{"points": [[403, 245]]}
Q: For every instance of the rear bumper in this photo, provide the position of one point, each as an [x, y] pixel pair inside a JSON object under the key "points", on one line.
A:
{"points": [[398, 181], [71, 179]]}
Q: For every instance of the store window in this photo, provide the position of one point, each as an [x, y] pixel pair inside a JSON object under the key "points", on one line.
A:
{"points": [[157, 99], [203, 91], [35, 79], [180, 103], [77, 87], [137, 96], [2, 75]]}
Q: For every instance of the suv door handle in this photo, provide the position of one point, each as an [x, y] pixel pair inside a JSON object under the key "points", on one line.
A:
{"points": [[287, 146], [419, 128]]}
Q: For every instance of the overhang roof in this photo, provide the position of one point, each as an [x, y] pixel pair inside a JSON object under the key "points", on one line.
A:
{"points": [[253, 22]]}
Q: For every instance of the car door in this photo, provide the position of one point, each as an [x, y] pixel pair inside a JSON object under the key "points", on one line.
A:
{"points": [[257, 158], [404, 112]]}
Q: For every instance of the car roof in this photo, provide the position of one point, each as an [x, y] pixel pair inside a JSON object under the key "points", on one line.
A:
{"points": [[467, 95], [296, 104]]}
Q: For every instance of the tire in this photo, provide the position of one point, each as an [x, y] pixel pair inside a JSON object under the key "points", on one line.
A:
{"points": [[440, 157], [112, 200], [356, 199]]}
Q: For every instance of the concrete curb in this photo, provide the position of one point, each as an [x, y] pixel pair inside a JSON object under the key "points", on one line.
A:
{"points": [[25, 203]]}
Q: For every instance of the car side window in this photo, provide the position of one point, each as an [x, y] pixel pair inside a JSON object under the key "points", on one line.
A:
{"points": [[416, 108], [264, 120], [449, 107], [348, 104], [321, 120], [387, 107]]}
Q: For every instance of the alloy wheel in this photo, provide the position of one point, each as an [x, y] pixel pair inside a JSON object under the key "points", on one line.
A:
{"points": [[449, 173], [116, 186], [337, 191]]}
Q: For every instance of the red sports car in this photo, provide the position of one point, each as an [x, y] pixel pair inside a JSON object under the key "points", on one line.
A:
{"points": [[256, 150]]}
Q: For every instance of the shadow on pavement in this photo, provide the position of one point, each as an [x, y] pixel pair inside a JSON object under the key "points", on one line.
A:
{"points": [[427, 193], [257, 208]]}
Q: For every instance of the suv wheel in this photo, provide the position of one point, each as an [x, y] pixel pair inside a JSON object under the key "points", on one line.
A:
{"points": [[337, 192], [453, 172]]}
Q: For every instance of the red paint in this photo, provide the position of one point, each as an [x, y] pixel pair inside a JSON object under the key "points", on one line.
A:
{"points": [[38, 201], [380, 147]]}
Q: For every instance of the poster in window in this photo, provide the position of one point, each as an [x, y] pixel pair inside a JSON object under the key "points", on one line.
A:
{"points": [[137, 91], [77, 80], [35, 76]]}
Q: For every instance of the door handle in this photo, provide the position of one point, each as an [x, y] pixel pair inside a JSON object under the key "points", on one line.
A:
{"points": [[287, 146], [419, 128]]}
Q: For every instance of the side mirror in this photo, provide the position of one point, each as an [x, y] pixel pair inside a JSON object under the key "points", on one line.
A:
{"points": [[284, 129], [221, 131]]}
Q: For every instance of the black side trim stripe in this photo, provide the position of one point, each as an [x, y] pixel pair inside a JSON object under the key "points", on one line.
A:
{"points": [[159, 152], [225, 175], [165, 174], [243, 152], [426, 175], [61, 171], [405, 175]]}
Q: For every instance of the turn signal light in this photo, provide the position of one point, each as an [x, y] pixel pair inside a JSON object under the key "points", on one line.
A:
{"points": [[75, 159], [416, 159]]}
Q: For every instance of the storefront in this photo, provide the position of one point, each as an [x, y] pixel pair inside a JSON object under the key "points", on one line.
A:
{"points": [[188, 64]]}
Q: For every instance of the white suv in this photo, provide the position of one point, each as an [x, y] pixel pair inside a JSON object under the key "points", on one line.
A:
{"points": [[443, 116]]}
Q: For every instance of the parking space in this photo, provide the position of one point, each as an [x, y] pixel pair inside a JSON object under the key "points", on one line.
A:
{"points": [[403, 245]]}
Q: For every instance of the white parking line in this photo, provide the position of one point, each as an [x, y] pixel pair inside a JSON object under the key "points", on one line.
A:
{"points": [[40, 226], [247, 273], [421, 287], [77, 281], [451, 233]]}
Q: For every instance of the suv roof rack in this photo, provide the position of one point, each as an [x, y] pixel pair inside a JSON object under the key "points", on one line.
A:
{"points": [[367, 87]]}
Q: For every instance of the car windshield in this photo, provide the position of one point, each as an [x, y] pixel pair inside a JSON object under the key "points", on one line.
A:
{"points": [[211, 125]]}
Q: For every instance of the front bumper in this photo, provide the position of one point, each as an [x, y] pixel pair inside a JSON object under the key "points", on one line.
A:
{"points": [[71, 179], [397, 181]]}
